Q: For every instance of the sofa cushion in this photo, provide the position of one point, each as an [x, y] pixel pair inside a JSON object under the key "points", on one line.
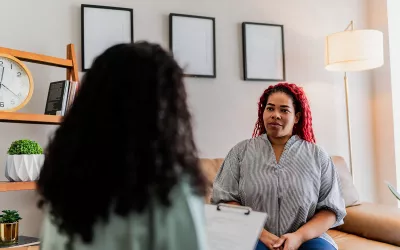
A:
{"points": [[349, 191], [373, 221], [210, 169], [347, 241]]}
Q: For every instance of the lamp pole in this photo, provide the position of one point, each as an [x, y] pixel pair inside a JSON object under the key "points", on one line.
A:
{"points": [[346, 88]]}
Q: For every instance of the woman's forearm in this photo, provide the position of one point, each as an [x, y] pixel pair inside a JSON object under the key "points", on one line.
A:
{"points": [[319, 224], [233, 203]]}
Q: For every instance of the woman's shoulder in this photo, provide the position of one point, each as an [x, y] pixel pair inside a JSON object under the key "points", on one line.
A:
{"points": [[245, 144], [311, 149], [311, 146], [320, 152], [184, 191], [182, 218], [316, 151]]}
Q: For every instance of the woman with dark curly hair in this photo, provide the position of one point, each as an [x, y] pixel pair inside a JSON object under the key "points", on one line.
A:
{"points": [[281, 171], [122, 169]]}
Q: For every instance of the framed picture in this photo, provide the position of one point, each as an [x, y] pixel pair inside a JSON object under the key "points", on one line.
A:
{"points": [[103, 27], [192, 41], [263, 52]]}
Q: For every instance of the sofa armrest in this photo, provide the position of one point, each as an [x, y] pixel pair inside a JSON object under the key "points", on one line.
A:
{"points": [[373, 221]]}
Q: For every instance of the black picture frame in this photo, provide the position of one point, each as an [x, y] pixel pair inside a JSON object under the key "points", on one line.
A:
{"points": [[88, 59], [249, 74], [180, 57]]}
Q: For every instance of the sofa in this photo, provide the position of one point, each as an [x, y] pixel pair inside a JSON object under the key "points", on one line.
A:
{"points": [[367, 226]]}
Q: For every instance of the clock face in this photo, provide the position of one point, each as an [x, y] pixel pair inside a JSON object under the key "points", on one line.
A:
{"points": [[15, 84]]}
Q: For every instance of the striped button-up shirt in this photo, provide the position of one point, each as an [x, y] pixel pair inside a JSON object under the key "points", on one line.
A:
{"points": [[290, 191]]}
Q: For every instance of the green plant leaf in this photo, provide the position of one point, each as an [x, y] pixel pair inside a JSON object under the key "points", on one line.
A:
{"points": [[24, 147], [9, 216]]}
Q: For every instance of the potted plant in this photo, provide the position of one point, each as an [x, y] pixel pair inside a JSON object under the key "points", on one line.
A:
{"points": [[24, 161], [9, 224]]}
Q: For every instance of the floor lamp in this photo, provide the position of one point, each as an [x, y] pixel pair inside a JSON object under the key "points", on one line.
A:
{"points": [[353, 50]]}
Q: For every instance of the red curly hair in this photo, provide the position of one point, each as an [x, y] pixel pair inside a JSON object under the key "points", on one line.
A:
{"points": [[304, 127]]}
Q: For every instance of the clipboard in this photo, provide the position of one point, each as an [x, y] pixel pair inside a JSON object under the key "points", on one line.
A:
{"points": [[232, 227]]}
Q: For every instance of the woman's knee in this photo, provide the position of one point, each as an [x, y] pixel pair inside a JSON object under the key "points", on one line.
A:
{"points": [[261, 246], [317, 244]]}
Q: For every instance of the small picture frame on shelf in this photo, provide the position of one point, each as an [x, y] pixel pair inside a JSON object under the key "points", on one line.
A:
{"points": [[192, 41], [103, 27], [263, 52]]}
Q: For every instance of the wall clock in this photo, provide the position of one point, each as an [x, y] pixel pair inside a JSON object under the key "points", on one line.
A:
{"points": [[16, 84]]}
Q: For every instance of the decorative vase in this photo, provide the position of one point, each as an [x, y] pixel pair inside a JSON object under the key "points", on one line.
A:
{"points": [[8, 233], [23, 167]]}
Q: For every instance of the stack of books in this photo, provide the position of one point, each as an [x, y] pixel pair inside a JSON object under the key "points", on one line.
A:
{"points": [[60, 97]]}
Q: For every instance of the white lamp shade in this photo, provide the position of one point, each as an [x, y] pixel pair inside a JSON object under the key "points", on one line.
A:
{"points": [[354, 50]]}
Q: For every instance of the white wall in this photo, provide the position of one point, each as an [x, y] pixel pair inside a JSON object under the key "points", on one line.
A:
{"points": [[225, 107], [393, 8], [384, 101]]}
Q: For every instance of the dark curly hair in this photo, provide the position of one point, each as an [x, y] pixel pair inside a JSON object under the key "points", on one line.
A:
{"points": [[126, 138], [304, 127]]}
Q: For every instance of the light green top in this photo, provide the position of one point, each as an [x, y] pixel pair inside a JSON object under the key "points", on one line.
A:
{"points": [[179, 227]]}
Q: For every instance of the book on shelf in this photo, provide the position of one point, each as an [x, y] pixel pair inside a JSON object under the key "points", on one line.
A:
{"points": [[23, 241], [60, 97]]}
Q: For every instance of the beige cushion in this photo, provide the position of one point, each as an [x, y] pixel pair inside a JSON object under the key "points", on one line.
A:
{"points": [[210, 169], [350, 194], [373, 221], [347, 241]]}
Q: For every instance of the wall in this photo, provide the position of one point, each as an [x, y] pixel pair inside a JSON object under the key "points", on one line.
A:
{"points": [[393, 8], [225, 107], [384, 102]]}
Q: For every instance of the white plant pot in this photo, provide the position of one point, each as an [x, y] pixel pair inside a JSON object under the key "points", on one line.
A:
{"points": [[23, 167]]}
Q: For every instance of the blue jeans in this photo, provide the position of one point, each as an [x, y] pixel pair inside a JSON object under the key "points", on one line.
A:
{"points": [[314, 244]]}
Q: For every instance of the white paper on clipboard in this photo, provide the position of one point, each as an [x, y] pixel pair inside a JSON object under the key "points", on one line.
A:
{"points": [[233, 227]]}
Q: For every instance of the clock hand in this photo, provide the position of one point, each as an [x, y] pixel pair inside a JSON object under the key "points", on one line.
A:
{"points": [[10, 90], [2, 73]]}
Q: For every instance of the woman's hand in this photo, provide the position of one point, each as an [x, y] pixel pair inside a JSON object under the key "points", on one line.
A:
{"points": [[290, 241], [269, 240]]}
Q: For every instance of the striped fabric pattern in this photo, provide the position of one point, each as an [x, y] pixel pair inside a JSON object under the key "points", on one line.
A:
{"points": [[290, 191]]}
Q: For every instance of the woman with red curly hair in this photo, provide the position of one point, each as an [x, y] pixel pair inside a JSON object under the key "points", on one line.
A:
{"points": [[282, 172]]}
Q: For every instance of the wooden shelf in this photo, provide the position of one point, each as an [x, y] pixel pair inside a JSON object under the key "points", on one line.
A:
{"points": [[22, 248], [6, 186], [29, 118], [25, 248], [24, 243], [38, 58], [69, 63], [34, 247], [71, 66]]}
